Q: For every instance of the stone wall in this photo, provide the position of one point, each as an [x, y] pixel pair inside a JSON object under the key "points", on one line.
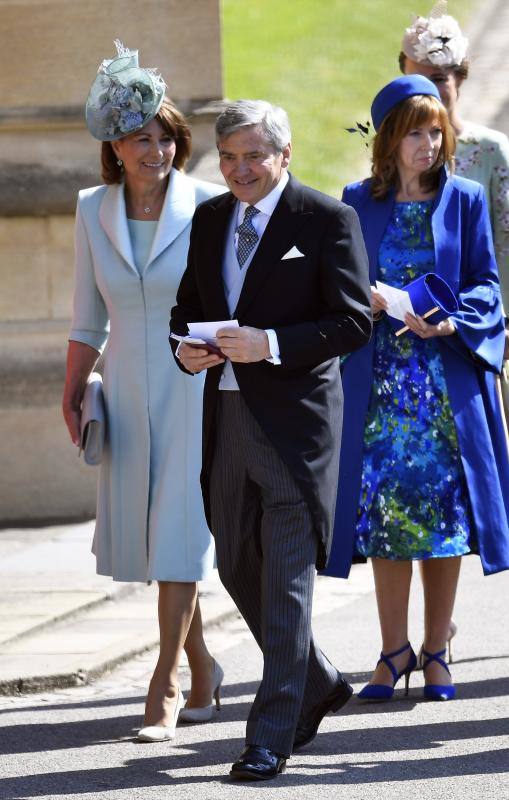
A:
{"points": [[49, 55]]}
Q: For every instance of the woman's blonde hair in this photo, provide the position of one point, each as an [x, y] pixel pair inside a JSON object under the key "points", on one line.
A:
{"points": [[406, 116]]}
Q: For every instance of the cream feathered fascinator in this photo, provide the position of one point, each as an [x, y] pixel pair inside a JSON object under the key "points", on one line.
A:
{"points": [[123, 97], [435, 40]]}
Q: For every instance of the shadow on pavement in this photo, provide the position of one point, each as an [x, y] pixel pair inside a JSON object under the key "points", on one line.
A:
{"points": [[345, 772], [47, 737], [33, 737], [405, 737], [473, 690], [227, 690], [136, 774], [156, 771]]}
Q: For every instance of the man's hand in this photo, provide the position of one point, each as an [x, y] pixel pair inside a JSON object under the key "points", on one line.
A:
{"points": [[245, 345], [378, 303], [196, 359]]}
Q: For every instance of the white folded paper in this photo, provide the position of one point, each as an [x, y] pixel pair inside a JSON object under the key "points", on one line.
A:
{"points": [[398, 300], [205, 332]]}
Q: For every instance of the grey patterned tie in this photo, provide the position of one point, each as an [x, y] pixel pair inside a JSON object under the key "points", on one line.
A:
{"points": [[247, 235]]}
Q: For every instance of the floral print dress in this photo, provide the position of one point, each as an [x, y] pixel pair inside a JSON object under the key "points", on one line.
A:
{"points": [[482, 155], [414, 502]]}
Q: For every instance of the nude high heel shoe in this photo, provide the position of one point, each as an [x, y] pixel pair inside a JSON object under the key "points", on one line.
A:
{"points": [[204, 714], [160, 733], [453, 630]]}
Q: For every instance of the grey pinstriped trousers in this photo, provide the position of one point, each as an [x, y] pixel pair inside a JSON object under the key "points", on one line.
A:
{"points": [[266, 551]]}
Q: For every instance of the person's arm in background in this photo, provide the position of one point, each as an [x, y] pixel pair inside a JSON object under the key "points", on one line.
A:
{"points": [[499, 197]]}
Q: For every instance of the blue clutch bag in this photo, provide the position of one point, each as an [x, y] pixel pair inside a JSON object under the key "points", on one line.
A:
{"points": [[432, 299]]}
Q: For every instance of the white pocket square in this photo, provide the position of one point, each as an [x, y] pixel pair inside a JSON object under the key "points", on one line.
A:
{"points": [[293, 253]]}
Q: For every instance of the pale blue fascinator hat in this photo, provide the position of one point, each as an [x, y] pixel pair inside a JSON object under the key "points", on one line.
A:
{"points": [[398, 90], [124, 97]]}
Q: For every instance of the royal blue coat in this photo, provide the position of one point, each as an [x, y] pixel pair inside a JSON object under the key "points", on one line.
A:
{"points": [[472, 358]]}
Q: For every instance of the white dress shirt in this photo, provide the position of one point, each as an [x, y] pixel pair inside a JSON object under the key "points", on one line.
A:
{"points": [[259, 222]]}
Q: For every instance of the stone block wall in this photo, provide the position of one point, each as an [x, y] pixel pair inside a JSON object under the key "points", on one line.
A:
{"points": [[49, 56]]}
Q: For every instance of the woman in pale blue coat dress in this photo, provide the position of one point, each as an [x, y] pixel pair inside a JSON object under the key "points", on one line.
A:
{"points": [[132, 237]]}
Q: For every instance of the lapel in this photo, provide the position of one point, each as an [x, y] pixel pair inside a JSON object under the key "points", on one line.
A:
{"points": [[375, 214], [113, 218], [375, 217], [279, 236], [445, 254], [211, 245], [176, 213]]}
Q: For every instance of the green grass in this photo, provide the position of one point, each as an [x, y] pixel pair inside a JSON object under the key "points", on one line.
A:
{"points": [[323, 61]]}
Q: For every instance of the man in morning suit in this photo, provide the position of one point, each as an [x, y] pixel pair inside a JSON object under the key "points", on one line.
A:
{"points": [[289, 263]]}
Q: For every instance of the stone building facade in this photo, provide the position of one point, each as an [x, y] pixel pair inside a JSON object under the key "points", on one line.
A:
{"points": [[49, 55]]}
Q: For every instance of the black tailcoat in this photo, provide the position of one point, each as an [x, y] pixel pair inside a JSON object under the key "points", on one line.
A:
{"points": [[319, 306]]}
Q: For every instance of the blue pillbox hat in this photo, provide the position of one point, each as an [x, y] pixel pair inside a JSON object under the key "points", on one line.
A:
{"points": [[398, 90]]}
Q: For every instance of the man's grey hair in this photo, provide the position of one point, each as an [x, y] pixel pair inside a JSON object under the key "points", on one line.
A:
{"points": [[272, 120]]}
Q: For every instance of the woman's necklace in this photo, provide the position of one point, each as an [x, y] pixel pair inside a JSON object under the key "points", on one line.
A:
{"points": [[135, 205], [149, 209]]}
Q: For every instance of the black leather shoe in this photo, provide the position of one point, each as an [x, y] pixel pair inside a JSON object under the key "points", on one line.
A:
{"points": [[257, 764], [307, 727]]}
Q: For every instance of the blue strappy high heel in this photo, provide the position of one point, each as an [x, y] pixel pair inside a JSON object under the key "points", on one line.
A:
{"points": [[433, 691], [378, 692]]}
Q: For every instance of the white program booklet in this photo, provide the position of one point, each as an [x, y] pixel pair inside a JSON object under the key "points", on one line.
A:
{"points": [[398, 300], [204, 332], [208, 330]]}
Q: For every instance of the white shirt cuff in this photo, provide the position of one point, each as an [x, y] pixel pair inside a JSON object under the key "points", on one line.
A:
{"points": [[273, 347]]}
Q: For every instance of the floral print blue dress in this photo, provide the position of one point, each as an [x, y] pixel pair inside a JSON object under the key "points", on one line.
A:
{"points": [[414, 502]]}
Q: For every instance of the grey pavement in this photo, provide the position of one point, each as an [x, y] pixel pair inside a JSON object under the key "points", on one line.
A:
{"points": [[79, 742], [63, 625], [60, 624], [485, 95], [77, 651]]}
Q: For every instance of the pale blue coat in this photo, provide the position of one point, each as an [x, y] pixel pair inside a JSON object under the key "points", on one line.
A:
{"points": [[150, 521]]}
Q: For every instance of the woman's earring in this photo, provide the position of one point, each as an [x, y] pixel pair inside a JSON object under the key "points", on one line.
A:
{"points": [[120, 162]]}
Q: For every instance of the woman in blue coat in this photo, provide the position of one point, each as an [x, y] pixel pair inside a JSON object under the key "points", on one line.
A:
{"points": [[424, 464]]}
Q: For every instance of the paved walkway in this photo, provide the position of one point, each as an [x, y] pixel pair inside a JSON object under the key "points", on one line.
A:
{"points": [[60, 623], [486, 92], [76, 743]]}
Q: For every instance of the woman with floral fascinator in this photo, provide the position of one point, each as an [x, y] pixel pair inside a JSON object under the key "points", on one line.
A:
{"points": [[132, 237], [424, 467], [435, 47]]}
